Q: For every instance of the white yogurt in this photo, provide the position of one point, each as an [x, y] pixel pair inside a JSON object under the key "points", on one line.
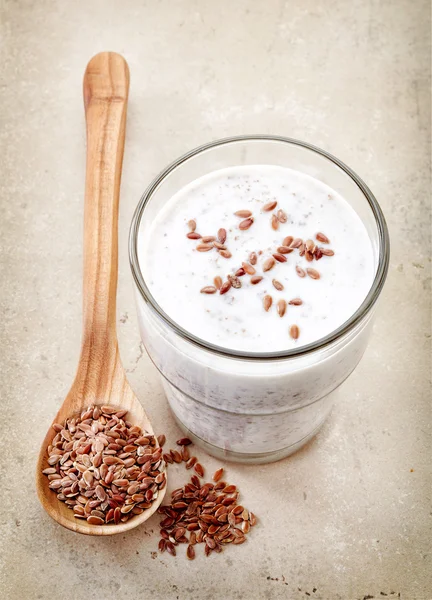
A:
{"points": [[175, 271]]}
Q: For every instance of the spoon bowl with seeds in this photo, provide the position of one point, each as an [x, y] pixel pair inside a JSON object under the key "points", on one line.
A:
{"points": [[99, 469]]}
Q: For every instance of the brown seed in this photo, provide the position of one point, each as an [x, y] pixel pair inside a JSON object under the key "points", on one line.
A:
{"points": [[302, 249], [285, 250], [245, 526], [95, 520], [243, 225], [275, 222], [279, 257], [294, 332], [176, 456], [243, 214], [190, 552], [267, 302], [204, 247], [296, 243], [240, 272], [253, 258], [167, 458], [300, 272], [288, 240], [310, 245], [225, 287], [277, 284], [208, 238], [161, 439], [218, 474], [313, 273], [235, 281], [193, 235], [222, 235], [269, 264], [255, 279], [318, 253], [229, 489], [281, 307], [219, 246], [282, 216], [192, 224], [184, 442], [162, 545], [270, 206], [327, 252], [296, 302], [190, 463], [252, 519], [185, 454], [225, 253], [322, 238], [192, 538], [309, 256], [218, 282], [170, 548], [248, 269], [199, 469], [208, 289]]}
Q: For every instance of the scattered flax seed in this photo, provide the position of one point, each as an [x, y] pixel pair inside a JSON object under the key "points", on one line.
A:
{"points": [[235, 281], [322, 238], [190, 463], [243, 214], [222, 235], [269, 264], [208, 238], [185, 454], [296, 302], [253, 258], [318, 253], [313, 273], [225, 287], [302, 250], [199, 469], [267, 302], [281, 307], [274, 222], [282, 216], [296, 243], [309, 256], [300, 272], [204, 247], [218, 474], [310, 245], [285, 250], [219, 246], [277, 284], [269, 206], [279, 257], [294, 332], [193, 235], [218, 282], [248, 268], [243, 225], [161, 439], [288, 240], [176, 456], [209, 289], [225, 253], [327, 252], [104, 468], [240, 272], [184, 442], [255, 279], [192, 224], [206, 512], [167, 458]]}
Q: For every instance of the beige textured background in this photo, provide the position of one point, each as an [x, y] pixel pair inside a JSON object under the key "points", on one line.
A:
{"points": [[347, 518]]}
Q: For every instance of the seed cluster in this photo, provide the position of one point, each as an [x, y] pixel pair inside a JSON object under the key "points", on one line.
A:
{"points": [[308, 248], [208, 512], [103, 467]]}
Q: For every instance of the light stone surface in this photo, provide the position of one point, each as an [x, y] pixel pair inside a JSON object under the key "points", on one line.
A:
{"points": [[348, 517]]}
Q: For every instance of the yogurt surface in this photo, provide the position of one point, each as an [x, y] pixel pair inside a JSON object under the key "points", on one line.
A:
{"points": [[176, 271]]}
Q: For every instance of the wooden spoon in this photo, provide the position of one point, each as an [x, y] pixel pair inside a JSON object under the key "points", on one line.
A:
{"points": [[100, 378]]}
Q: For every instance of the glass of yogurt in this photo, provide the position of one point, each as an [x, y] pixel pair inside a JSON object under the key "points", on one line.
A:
{"points": [[258, 261]]}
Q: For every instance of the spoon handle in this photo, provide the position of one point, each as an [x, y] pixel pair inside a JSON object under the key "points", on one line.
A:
{"points": [[106, 87]]}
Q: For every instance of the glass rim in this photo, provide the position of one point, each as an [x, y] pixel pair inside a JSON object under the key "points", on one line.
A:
{"points": [[345, 328]]}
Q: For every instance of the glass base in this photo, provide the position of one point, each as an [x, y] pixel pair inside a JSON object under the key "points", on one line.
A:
{"points": [[247, 458]]}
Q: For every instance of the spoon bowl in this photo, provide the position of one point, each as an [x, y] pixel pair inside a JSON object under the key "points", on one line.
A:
{"points": [[100, 378]]}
